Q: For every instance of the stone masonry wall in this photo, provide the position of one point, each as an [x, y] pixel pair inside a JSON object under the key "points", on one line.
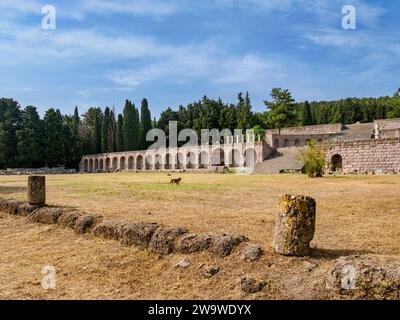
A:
{"points": [[310, 130], [367, 156], [388, 124]]}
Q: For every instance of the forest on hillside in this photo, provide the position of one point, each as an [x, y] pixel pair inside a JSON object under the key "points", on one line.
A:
{"points": [[29, 141]]}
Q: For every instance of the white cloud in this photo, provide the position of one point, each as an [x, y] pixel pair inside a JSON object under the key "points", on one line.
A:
{"points": [[248, 69], [139, 7], [10, 7]]}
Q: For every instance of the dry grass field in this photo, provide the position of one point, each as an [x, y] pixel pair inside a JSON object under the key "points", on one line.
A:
{"points": [[355, 214]]}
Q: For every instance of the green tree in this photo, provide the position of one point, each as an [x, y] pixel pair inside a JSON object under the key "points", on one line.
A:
{"points": [[96, 137], [105, 129], [228, 117], [281, 110], [145, 124], [244, 113], [54, 138], [68, 146], [76, 138], [314, 160], [136, 129], [307, 117], [119, 135], [10, 122], [259, 132], [128, 117], [30, 139]]}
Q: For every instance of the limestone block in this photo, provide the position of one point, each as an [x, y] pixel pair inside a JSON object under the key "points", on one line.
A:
{"points": [[36, 190], [295, 225]]}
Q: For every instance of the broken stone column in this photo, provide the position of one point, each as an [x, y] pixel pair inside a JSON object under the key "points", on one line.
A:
{"points": [[37, 190], [295, 225]]}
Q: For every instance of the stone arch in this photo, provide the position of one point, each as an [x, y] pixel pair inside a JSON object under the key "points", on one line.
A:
{"points": [[180, 161], [286, 143], [158, 162], [168, 161], [297, 142], [122, 163], [96, 164], [149, 161], [191, 160], [276, 143], [114, 163], [101, 165], [336, 162], [131, 163], [85, 165], [139, 162], [218, 157], [250, 158], [108, 164], [235, 158], [91, 165], [203, 160]]}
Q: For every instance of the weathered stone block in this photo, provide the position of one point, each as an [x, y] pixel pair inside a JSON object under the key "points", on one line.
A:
{"points": [[295, 225], [37, 190]]}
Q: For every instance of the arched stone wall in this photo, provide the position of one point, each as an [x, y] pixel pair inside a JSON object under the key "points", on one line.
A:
{"points": [[185, 158]]}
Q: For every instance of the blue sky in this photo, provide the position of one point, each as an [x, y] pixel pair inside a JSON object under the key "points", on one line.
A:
{"points": [[175, 51]]}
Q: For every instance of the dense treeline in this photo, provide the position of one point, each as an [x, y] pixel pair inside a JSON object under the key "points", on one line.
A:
{"points": [[26, 140]]}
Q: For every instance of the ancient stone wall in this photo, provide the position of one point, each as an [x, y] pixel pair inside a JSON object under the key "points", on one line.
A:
{"points": [[388, 124], [287, 141], [310, 130], [234, 155], [365, 156]]}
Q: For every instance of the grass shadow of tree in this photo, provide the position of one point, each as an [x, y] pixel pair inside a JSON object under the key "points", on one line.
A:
{"points": [[12, 189], [319, 253]]}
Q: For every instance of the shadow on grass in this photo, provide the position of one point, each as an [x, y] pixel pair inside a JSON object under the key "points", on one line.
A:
{"points": [[12, 189], [336, 253]]}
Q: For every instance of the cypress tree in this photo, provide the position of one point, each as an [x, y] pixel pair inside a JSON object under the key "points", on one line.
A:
{"points": [[136, 128], [145, 124], [105, 131], [76, 138], [111, 131], [119, 134], [97, 131], [306, 118], [129, 126], [239, 112], [54, 138]]}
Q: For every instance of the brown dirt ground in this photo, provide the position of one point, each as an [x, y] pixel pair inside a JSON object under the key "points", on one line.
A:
{"points": [[355, 214]]}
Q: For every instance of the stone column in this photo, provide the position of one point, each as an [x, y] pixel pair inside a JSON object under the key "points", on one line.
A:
{"points": [[37, 190], [295, 225]]}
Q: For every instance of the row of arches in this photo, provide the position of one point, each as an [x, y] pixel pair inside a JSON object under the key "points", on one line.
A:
{"points": [[170, 161]]}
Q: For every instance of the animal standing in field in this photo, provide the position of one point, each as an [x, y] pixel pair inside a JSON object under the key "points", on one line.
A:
{"points": [[175, 181]]}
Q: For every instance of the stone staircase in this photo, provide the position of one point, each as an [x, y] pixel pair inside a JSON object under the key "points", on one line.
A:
{"points": [[284, 159]]}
